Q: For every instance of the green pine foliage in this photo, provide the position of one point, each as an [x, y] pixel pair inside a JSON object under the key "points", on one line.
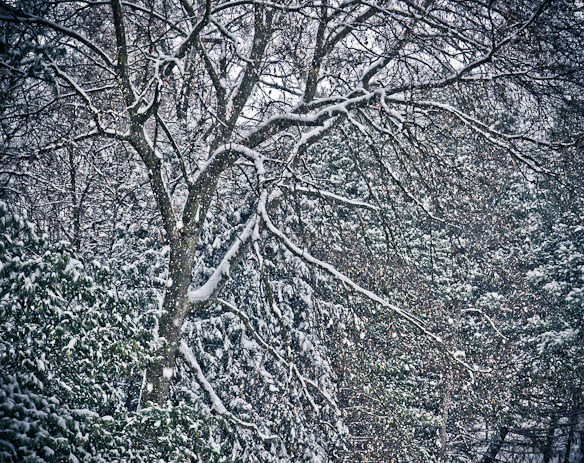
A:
{"points": [[71, 356]]}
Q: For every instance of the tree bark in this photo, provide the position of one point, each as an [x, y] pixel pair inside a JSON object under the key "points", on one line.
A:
{"points": [[176, 307], [548, 448], [569, 445], [445, 412]]}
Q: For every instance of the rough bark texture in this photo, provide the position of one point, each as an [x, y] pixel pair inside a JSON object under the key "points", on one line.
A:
{"points": [[176, 306]]}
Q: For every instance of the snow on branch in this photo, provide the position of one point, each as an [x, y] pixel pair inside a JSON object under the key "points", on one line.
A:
{"points": [[216, 403], [327, 108], [302, 253], [221, 273], [280, 359], [83, 94], [489, 319], [331, 270], [329, 195], [221, 155]]}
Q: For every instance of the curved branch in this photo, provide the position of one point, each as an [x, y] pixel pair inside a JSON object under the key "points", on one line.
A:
{"points": [[303, 254], [216, 402], [23, 17]]}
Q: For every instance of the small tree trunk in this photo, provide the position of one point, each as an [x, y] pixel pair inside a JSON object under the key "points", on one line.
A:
{"points": [[175, 309], [581, 447], [569, 446], [548, 448], [442, 455], [75, 205]]}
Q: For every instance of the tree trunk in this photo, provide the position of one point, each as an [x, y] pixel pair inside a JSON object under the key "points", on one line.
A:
{"points": [[175, 309], [548, 448], [569, 445], [75, 204], [445, 411]]}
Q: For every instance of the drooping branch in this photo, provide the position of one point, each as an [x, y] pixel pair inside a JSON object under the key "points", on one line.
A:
{"points": [[389, 170], [495, 137], [328, 195], [210, 289], [303, 254], [216, 402], [289, 364]]}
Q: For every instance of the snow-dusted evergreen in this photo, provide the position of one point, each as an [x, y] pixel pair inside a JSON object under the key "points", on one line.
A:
{"points": [[291, 231]]}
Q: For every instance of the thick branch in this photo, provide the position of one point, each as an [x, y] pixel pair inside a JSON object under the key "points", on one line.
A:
{"points": [[262, 35], [122, 48], [153, 164]]}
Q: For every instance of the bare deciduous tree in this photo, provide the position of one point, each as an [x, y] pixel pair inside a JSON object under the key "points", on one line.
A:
{"points": [[231, 96]]}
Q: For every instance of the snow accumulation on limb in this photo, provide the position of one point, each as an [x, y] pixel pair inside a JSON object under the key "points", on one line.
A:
{"points": [[219, 156], [84, 95], [79, 91], [308, 137], [329, 195], [489, 319], [280, 359], [215, 281], [328, 108], [331, 270], [235, 41], [302, 253], [66, 142], [216, 402], [248, 153]]}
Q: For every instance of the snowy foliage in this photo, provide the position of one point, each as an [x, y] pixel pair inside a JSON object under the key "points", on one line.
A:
{"points": [[299, 231], [70, 353]]}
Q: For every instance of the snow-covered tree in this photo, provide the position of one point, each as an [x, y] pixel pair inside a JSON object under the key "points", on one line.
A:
{"points": [[200, 130]]}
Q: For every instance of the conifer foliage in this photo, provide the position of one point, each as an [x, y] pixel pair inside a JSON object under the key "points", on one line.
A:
{"points": [[257, 192], [69, 352]]}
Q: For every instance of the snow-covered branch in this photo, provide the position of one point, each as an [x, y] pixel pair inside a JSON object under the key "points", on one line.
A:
{"points": [[216, 402], [212, 286], [489, 319], [289, 364], [319, 193], [302, 253]]}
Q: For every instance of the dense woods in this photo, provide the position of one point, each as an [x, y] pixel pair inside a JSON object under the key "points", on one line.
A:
{"points": [[272, 231]]}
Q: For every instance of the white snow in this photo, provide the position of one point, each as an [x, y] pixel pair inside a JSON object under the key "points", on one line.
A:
{"points": [[204, 292], [71, 344]]}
